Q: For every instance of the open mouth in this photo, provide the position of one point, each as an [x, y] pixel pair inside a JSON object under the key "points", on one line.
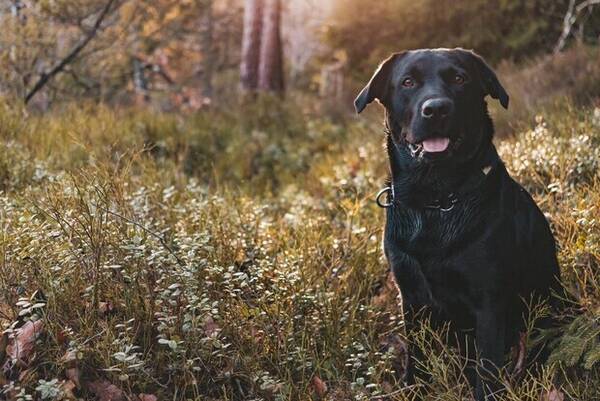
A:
{"points": [[435, 145]]}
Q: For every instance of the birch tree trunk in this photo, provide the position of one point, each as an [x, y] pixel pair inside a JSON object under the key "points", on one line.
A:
{"points": [[251, 45], [270, 70]]}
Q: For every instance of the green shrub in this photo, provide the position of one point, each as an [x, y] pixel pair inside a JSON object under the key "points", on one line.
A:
{"points": [[236, 254]]}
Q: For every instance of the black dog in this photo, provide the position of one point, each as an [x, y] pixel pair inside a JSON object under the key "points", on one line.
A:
{"points": [[463, 240]]}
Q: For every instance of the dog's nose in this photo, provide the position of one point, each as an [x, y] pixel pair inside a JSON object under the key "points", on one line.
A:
{"points": [[436, 109]]}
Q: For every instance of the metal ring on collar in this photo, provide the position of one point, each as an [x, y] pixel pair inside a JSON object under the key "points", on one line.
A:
{"points": [[447, 209], [390, 200], [453, 201]]}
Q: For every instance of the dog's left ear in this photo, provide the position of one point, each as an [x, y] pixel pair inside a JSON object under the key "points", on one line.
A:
{"points": [[491, 84], [377, 85]]}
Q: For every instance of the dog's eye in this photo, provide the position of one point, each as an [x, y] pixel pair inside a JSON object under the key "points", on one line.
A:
{"points": [[408, 82], [459, 79]]}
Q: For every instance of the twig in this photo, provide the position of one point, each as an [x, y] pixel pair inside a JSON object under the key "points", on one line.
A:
{"points": [[570, 19], [393, 393], [100, 334], [58, 67], [147, 230]]}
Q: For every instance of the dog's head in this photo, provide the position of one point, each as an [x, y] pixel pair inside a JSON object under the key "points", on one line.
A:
{"points": [[434, 101]]}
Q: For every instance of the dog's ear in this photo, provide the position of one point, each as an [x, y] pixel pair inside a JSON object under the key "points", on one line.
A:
{"points": [[491, 84], [376, 87]]}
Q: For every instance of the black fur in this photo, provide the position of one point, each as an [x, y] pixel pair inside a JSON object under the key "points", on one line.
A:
{"points": [[473, 265]]}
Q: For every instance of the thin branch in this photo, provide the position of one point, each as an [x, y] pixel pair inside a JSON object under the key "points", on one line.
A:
{"points": [[156, 68], [393, 393], [159, 237], [59, 67], [571, 17]]}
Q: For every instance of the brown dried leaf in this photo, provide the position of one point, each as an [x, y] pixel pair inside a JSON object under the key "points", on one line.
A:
{"points": [[70, 358], [211, 328], [553, 395], [67, 390], [396, 347], [105, 308], [147, 397], [387, 387], [72, 371], [74, 375], [62, 337], [387, 296], [106, 391], [22, 343], [319, 386]]}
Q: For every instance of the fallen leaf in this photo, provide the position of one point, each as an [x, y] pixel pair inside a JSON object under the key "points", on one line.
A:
{"points": [[71, 369], [62, 337], [70, 358], [319, 386], [106, 391], [387, 294], [396, 348], [211, 329], [553, 395], [22, 341], [147, 397], [67, 390], [387, 387], [105, 308], [74, 375]]}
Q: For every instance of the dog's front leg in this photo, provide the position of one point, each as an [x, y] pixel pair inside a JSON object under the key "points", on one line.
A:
{"points": [[416, 296], [414, 289], [490, 333]]}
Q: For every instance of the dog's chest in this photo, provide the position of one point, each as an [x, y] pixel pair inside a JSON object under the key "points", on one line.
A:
{"points": [[445, 246], [426, 232]]}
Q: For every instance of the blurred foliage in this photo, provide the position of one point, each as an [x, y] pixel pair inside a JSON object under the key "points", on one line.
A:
{"points": [[158, 33], [169, 41], [238, 250], [497, 29], [544, 82]]}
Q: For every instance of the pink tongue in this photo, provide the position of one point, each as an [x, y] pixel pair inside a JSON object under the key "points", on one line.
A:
{"points": [[436, 144]]}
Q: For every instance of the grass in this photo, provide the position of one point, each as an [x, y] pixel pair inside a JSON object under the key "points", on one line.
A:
{"points": [[544, 82], [232, 255]]}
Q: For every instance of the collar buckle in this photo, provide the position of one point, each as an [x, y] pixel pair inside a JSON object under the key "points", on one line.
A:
{"points": [[444, 205]]}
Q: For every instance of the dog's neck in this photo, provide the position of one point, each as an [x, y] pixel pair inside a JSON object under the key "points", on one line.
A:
{"points": [[417, 183]]}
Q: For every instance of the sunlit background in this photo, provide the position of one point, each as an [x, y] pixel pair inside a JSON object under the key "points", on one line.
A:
{"points": [[176, 55]]}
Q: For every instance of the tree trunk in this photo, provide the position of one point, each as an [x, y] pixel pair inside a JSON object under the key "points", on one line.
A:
{"points": [[140, 81], [570, 18], [251, 44], [206, 44], [270, 70]]}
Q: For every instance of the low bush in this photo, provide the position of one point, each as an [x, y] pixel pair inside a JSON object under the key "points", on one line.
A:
{"points": [[236, 255]]}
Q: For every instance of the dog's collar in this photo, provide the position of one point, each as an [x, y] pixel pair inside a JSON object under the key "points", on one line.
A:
{"points": [[444, 204]]}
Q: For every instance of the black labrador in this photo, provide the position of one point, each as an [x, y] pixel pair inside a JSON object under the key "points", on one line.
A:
{"points": [[464, 240]]}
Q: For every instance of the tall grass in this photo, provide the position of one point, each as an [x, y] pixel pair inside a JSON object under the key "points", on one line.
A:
{"points": [[236, 255], [548, 82]]}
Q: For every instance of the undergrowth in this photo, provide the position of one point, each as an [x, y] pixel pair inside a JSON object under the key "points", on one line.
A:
{"points": [[233, 255]]}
